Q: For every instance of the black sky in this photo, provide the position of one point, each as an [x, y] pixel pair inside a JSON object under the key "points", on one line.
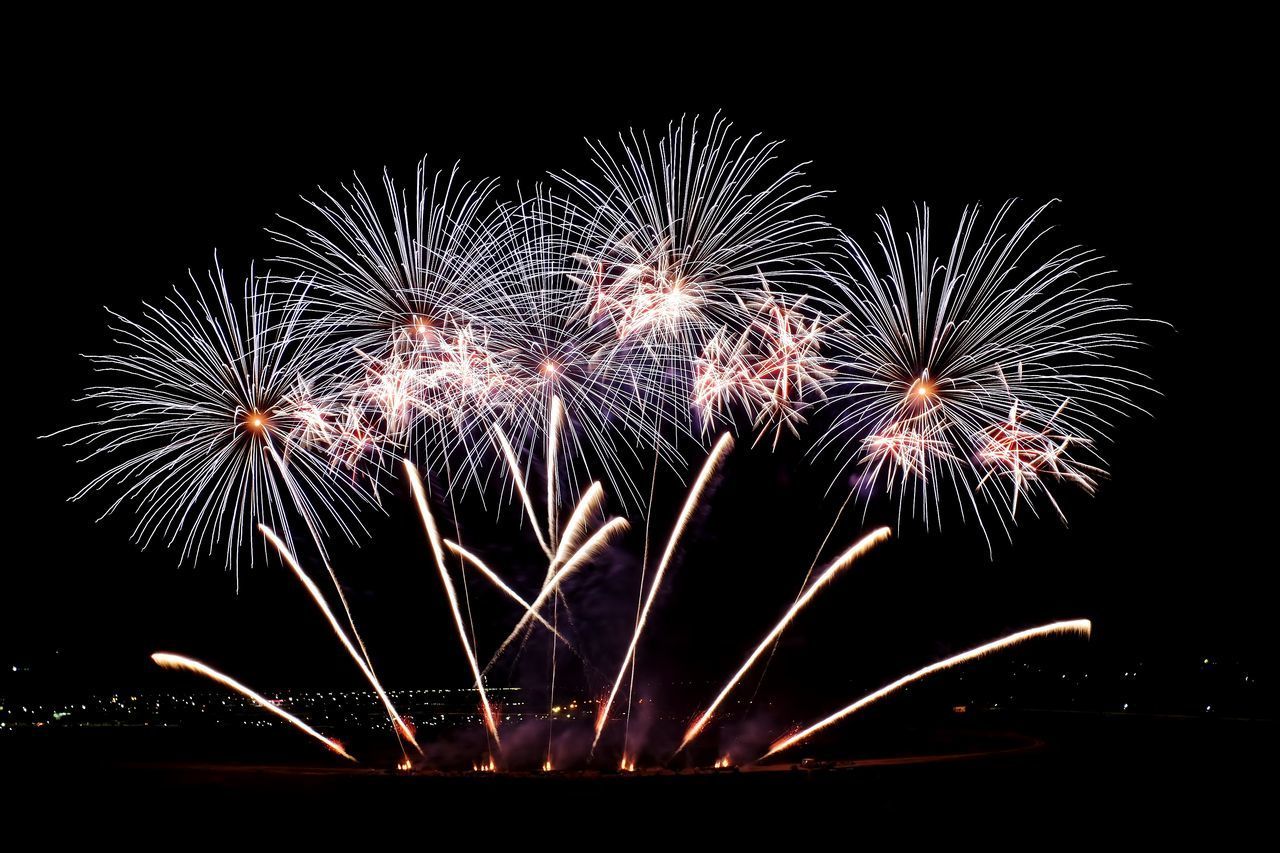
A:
{"points": [[131, 172]]}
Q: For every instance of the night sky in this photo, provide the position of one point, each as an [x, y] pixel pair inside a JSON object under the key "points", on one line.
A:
{"points": [[126, 181]]}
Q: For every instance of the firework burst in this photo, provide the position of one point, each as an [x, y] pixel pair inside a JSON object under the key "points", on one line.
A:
{"points": [[969, 376], [222, 417], [676, 241]]}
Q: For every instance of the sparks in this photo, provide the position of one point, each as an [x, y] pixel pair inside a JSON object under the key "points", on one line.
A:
{"points": [[1075, 626], [842, 562], [401, 725], [172, 661], [722, 448], [437, 551]]}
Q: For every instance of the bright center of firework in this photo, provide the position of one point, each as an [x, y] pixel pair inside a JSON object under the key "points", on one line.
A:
{"points": [[255, 422], [550, 369], [922, 388]]}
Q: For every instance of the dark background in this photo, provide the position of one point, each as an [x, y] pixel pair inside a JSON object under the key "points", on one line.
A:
{"points": [[134, 168]]}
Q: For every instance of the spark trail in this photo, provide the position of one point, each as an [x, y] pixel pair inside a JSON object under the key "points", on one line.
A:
{"points": [[437, 550], [588, 550], [838, 565], [722, 448], [172, 661], [517, 478], [401, 725], [501, 584], [1074, 626]]}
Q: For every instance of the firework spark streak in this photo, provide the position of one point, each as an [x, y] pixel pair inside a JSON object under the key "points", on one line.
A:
{"points": [[553, 449], [722, 448], [437, 550], [401, 725], [569, 537], [580, 557], [1074, 626], [517, 478], [838, 565], [171, 661], [502, 585]]}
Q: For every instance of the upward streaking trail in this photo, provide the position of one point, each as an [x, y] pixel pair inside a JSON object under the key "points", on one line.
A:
{"points": [[437, 550], [171, 661], [1074, 626], [859, 548], [722, 448]]}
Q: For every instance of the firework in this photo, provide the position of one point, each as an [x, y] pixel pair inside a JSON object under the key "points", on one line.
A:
{"points": [[681, 291], [937, 350], [838, 565], [398, 266], [437, 551], [405, 290], [608, 403], [1075, 626], [721, 449], [218, 410], [1030, 456], [775, 370], [171, 661], [674, 238], [360, 656], [502, 585], [590, 548]]}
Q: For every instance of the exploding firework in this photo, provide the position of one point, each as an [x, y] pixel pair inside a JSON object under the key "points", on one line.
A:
{"points": [[937, 351], [675, 238], [681, 292], [221, 417]]}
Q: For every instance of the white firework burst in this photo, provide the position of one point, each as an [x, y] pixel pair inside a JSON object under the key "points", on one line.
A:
{"points": [[971, 376], [675, 238], [221, 415], [399, 287]]}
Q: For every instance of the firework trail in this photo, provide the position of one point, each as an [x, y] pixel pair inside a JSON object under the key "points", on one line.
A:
{"points": [[571, 536], [171, 661], [401, 726], [333, 576], [589, 549], [553, 445], [838, 565], [1074, 626], [517, 479], [721, 449], [936, 349], [502, 585], [433, 535]]}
